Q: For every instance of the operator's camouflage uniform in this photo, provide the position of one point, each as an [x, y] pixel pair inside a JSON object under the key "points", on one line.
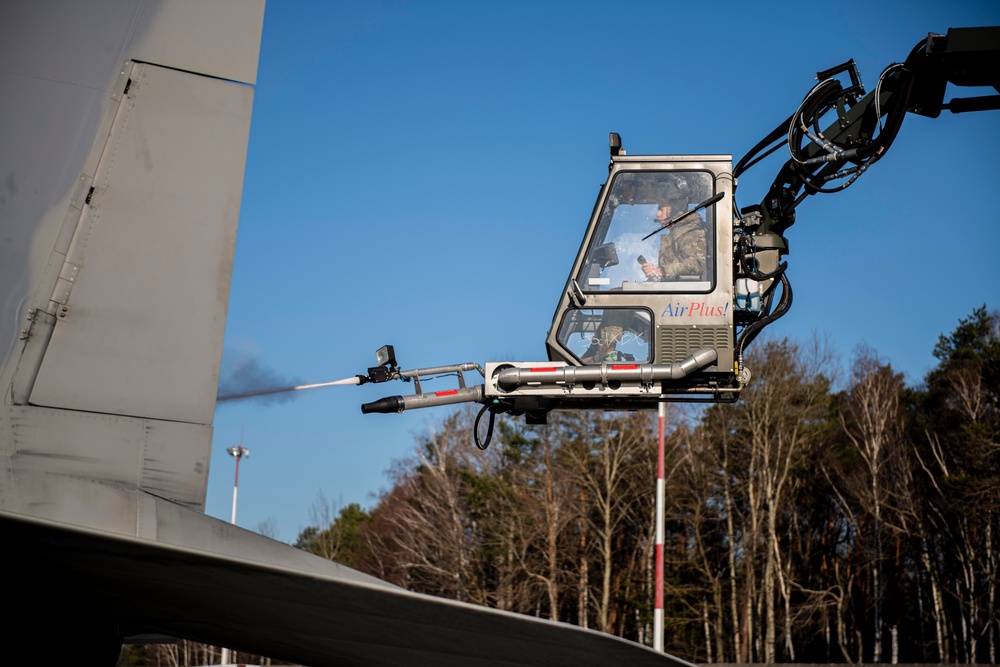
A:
{"points": [[683, 248]]}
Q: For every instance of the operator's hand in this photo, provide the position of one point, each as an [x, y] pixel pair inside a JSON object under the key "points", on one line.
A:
{"points": [[652, 271]]}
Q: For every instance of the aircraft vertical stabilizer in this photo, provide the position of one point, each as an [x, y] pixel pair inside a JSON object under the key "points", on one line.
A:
{"points": [[124, 127]]}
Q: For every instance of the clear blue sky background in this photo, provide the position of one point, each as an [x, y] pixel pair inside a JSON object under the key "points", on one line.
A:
{"points": [[421, 174]]}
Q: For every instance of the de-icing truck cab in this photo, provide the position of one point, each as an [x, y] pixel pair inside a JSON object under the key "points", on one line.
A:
{"points": [[653, 280], [665, 282]]}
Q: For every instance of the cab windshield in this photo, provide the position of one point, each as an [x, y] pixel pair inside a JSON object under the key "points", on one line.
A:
{"points": [[644, 241]]}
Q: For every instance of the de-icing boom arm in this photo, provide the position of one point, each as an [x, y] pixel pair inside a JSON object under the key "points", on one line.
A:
{"points": [[866, 125]]}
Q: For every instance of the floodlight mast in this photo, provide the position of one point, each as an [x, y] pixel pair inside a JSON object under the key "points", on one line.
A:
{"points": [[238, 451]]}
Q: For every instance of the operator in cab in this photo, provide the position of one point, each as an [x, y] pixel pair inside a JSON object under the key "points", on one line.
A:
{"points": [[683, 246]]}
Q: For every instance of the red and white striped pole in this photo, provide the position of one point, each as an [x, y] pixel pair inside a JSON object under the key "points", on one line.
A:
{"points": [[658, 607]]}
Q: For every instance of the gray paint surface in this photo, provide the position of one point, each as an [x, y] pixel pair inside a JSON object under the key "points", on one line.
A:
{"points": [[151, 258], [61, 63]]}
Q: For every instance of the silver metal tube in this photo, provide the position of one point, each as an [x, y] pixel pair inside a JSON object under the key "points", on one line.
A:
{"points": [[699, 359], [510, 378], [445, 397], [438, 370], [411, 401]]}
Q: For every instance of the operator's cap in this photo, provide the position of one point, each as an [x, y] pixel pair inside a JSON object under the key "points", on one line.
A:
{"points": [[679, 206], [671, 195]]}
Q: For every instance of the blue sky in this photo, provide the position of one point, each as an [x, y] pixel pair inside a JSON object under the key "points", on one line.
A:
{"points": [[421, 173]]}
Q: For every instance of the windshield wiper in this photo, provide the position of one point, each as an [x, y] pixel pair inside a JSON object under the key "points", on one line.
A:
{"points": [[673, 221]]}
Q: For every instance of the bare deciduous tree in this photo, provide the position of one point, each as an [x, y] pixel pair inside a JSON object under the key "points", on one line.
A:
{"points": [[872, 420]]}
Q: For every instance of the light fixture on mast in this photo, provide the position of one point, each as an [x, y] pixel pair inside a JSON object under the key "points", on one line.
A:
{"points": [[239, 451]]}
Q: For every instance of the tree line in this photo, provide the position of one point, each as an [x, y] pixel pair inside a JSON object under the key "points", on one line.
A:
{"points": [[812, 521]]}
